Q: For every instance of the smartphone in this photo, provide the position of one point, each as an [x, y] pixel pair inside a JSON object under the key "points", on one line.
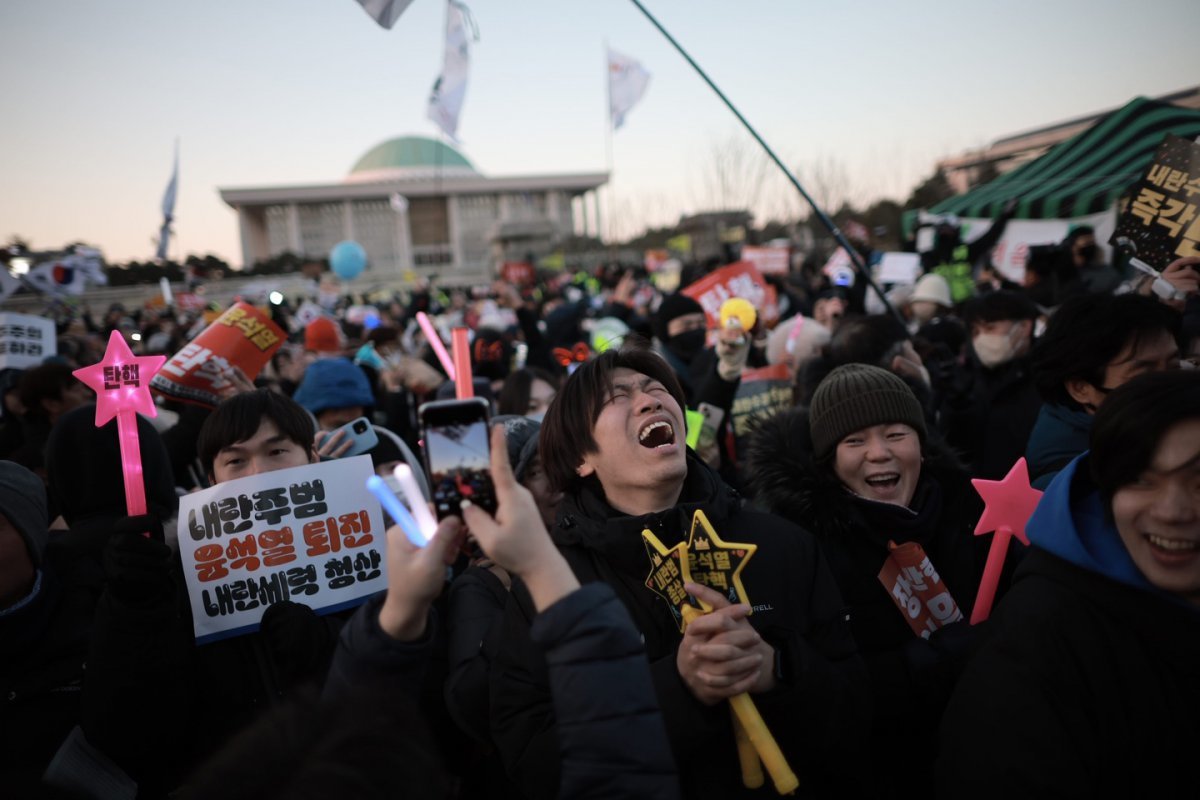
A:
{"points": [[362, 433], [457, 454]]}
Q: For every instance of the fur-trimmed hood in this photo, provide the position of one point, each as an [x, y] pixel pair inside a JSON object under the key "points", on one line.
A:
{"points": [[786, 480]]}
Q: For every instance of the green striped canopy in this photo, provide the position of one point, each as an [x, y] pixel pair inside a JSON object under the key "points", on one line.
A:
{"points": [[1087, 173]]}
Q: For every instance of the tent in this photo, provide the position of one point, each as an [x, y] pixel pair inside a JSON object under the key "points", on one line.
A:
{"points": [[1087, 173]]}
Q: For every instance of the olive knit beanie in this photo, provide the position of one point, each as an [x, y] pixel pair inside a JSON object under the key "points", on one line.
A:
{"points": [[857, 396]]}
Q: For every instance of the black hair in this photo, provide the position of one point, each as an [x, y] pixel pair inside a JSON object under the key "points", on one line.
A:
{"points": [[238, 418], [514, 395], [43, 382], [1077, 233], [866, 340], [1133, 421], [1088, 332], [1002, 305], [564, 439]]}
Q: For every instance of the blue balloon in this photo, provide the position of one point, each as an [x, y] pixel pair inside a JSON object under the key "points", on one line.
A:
{"points": [[348, 259]]}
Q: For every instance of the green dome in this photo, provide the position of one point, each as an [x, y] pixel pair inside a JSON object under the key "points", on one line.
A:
{"points": [[411, 154]]}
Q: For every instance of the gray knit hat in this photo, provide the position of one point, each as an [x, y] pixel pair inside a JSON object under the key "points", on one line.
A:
{"points": [[23, 502], [857, 396], [521, 435]]}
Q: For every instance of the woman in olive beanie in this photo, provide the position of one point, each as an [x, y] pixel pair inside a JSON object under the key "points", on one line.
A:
{"points": [[859, 469]]}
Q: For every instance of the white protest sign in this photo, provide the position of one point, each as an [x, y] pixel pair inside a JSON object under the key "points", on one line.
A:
{"points": [[1012, 251], [311, 534], [899, 268], [769, 260], [25, 340]]}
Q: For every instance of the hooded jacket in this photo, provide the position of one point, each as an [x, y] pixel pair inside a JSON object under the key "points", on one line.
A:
{"points": [[1059, 435], [1090, 684], [911, 678], [815, 713]]}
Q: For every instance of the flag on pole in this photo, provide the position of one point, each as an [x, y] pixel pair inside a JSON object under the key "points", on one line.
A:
{"points": [[168, 209], [627, 80], [8, 283], [69, 274], [449, 90], [385, 12]]}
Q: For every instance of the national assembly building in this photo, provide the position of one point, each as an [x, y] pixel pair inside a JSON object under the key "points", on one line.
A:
{"points": [[417, 203]]}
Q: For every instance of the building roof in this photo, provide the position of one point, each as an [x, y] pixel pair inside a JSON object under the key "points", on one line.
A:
{"points": [[1087, 173], [409, 157]]}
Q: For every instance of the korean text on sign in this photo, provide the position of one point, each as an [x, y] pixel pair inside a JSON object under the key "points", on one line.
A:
{"points": [[1163, 215], [310, 534]]}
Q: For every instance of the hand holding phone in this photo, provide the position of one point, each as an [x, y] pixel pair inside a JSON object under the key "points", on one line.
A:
{"points": [[457, 455], [352, 439]]}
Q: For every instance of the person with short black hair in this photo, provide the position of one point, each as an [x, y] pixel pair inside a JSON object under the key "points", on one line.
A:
{"points": [[1091, 346], [255, 432], [987, 417], [613, 442], [527, 392], [1087, 686]]}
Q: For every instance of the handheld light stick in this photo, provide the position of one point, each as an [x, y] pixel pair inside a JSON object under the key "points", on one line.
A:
{"points": [[464, 385], [396, 510], [121, 382], [435, 341], [426, 524], [1008, 505]]}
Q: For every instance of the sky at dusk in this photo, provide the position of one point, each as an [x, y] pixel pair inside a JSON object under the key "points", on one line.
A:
{"points": [[862, 98]]}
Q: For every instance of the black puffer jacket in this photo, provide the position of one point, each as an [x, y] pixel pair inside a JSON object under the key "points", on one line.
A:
{"points": [[817, 711], [911, 678]]}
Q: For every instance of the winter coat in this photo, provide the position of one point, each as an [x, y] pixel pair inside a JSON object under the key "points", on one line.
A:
{"points": [[989, 424], [1059, 435], [1090, 683], [911, 678], [816, 712]]}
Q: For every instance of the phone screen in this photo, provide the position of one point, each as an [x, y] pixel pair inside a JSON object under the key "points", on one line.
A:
{"points": [[457, 455]]}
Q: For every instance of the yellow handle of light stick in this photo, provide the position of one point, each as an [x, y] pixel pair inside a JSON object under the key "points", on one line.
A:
{"points": [[746, 713], [752, 774]]}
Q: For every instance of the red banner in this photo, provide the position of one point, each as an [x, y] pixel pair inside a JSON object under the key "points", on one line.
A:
{"points": [[241, 337], [518, 273], [739, 279], [917, 590]]}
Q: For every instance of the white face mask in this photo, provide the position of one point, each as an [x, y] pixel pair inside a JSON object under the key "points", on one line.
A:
{"points": [[994, 349]]}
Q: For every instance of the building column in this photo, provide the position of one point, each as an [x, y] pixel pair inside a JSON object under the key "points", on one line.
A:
{"points": [[454, 229], [596, 205], [255, 244], [348, 222], [293, 226]]}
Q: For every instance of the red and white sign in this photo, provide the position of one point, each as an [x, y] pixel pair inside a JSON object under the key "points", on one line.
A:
{"points": [[518, 273], [739, 279]]}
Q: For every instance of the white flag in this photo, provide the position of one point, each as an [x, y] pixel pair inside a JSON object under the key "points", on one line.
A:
{"points": [[8, 284], [57, 277], [385, 12], [627, 80], [449, 90], [168, 209]]}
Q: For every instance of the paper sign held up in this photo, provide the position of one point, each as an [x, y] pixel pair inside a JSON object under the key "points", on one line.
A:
{"points": [[312, 534], [25, 340]]}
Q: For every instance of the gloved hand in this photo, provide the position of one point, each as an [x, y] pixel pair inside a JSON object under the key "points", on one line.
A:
{"points": [[138, 567], [733, 350]]}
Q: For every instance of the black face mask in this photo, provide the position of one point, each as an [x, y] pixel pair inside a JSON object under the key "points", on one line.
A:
{"points": [[686, 345], [1087, 252]]}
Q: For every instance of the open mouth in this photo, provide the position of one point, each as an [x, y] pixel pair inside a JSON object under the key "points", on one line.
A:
{"points": [[1172, 545], [884, 481], [657, 434]]}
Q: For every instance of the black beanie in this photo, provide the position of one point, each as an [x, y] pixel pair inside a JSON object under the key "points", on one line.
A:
{"points": [[857, 396], [673, 306]]}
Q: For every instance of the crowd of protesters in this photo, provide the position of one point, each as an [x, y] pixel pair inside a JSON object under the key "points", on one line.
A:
{"points": [[539, 661]]}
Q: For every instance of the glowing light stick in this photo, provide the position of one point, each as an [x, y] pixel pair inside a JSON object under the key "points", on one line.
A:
{"points": [[121, 382], [464, 385], [396, 510], [426, 524], [435, 341], [1008, 505]]}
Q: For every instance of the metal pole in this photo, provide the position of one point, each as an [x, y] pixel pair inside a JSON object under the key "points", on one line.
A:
{"points": [[839, 237]]}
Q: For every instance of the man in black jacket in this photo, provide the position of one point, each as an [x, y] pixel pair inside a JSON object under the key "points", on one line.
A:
{"points": [[628, 470]]}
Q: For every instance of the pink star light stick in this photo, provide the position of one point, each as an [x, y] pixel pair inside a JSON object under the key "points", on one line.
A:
{"points": [[1008, 505], [122, 385]]}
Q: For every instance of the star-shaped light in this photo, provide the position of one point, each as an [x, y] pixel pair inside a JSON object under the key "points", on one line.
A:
{"points": [[1008, 504], [666, 578], [121, 380], [704, 539]]}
